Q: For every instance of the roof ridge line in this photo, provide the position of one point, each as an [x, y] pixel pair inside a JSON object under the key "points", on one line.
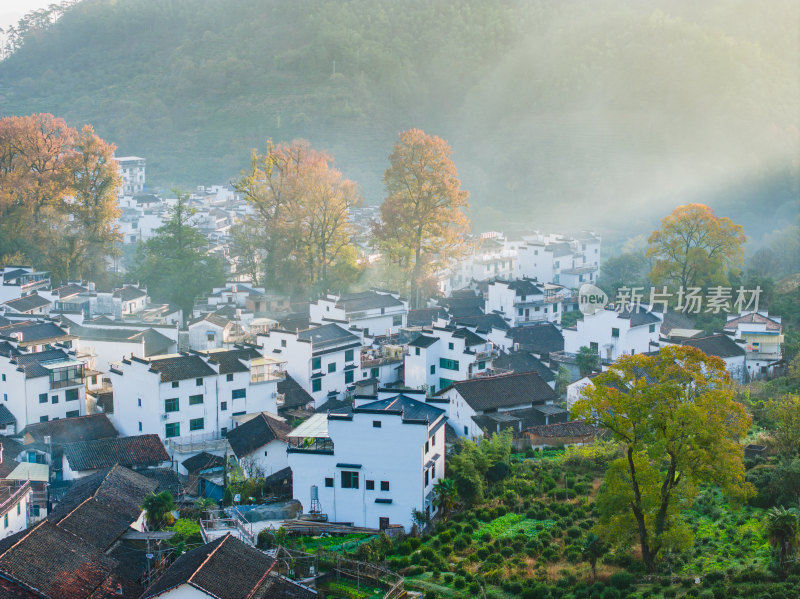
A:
{"points": [[208, 557], [30, 532]]}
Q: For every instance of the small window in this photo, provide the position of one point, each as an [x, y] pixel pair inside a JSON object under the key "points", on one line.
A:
{"points": [[370, 484], [615, 332], [54, 398], [375, 373], [427, 447], [450, 346], [223, 431], [171, 405], [332, 367], [426, 478], [4, 377], [92, 379], [42, 397], [195, 400], [348, 355], [329, 481], [223, 406], [416, 351], [397, 320], [229, 377], [196, 424], [316, 385], [43, 418], [349, 479], [198, 382], [265, 453], [175, 384], [652, 328], [283, 342], [139, 401], [348, 377], [238, 393], [173, 429], [433, 368], [466, 430], [140, 427], [19, 509], [5, 521], [73, 414], [376, 424], [316, 363], [384, 485]]}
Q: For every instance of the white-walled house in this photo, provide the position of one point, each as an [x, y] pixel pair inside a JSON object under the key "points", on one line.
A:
{"points": [[18, 281], [260, 445], [370, 465], [15, 498], [525, 397], [374, 312], [762, 338], [211, 331], [41, 386], [31, 304], [441, 355], [723, 347], [193, 396], [612, 334], [137, 452], [525, 301], [323, 360], [564, 260]]}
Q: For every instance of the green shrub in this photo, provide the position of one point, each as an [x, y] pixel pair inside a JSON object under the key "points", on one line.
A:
{"points": [[459, 582], [621, 580]]}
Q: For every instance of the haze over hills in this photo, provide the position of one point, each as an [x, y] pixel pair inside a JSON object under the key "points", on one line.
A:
{"points": [[603, 114]]}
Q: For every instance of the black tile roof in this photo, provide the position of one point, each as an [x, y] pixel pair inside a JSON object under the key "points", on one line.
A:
{"points": [[202, 461], [367, 300], [338, 406], [210, 567], [425, 317], [72, 430], [423, 341], [504, 391], [294, 396], [718, 345], [470, 339], [295, 322], [524, 362], [231, 361], [31, 364], [328, 335], [411, 409], [483, 323], [463, 306], [255, 433], [638, 317], [525, 287], [166, 479], [155, 343], [32, 330], [180, 368], [539, 339], [6, 417], [141, 450], [280, 587], [129, 293], [28, 302]]}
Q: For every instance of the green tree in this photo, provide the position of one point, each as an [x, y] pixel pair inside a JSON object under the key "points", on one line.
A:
{"points": [[675, 417], [587, 360], [783, 531], [158, 509], [174, 264], [593, 549], [784, 413], [694, 248], [562, 380], [445, 496], [423, 218]]}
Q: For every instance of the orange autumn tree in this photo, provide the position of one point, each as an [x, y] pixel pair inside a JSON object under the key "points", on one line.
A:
{"points": [[58, 196], [423, 218], [694, 248]]}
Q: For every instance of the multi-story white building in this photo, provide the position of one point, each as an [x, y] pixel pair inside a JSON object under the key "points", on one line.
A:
{"points": [[15, 498], [193, 396], [612, 334], [19, 281], [374, 312], [564, 260], [41, 386], [525, 301], [323, 360], [761, 335], [441, 355], [370, 465], [132, 169]]}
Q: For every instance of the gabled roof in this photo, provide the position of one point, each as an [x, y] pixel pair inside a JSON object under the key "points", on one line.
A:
{"points": [[718, 345], [180, 368], [69, 290], [128, 293], [294, 396], [463, 306], [141, 450], [202, 461], [411, 409], [337, 406], [27, 303], [213, 318], [211, 569], [752, 318], [425, 317], [72, 430], [527, 388], [166, 479], [367, 300], [280, 587], [470, 339], [6, 417], [102, 518], [638, 317], [539, 338], [230, 361], [523, 362], [525, 287], [483, 323], [255, 433], [33, 330], [423, 341], [32, 364], [58, 565], [328, 335]]}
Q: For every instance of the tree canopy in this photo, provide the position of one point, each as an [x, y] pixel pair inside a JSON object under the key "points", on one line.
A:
{"points": [[675, 417]]}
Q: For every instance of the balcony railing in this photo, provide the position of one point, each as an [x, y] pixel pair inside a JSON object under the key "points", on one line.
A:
{"points": [[310, 445], [487, 354]]}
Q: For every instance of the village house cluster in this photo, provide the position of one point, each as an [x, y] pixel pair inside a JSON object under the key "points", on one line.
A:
{"points": [[346, 404]]}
